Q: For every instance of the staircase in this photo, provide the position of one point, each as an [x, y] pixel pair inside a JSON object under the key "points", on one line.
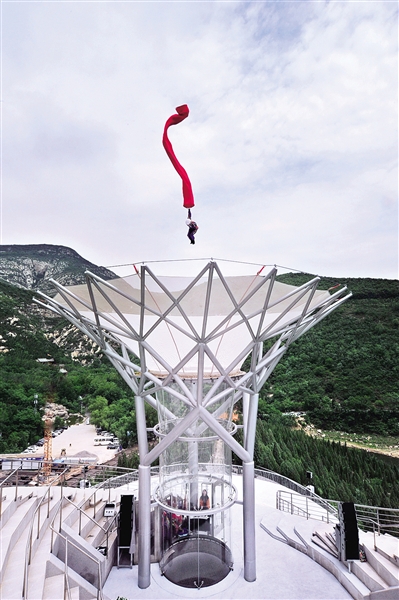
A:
{"points": [[377, 578], [41, 529]]}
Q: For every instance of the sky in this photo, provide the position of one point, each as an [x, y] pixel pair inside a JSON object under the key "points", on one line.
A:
{"points": [[291, 144]]}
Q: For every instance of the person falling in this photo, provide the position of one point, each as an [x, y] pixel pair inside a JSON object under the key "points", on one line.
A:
{"points": [[188, 196], [192, 228]]}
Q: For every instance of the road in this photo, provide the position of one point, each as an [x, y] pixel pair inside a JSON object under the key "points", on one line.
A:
{"points": [[75, 439]]}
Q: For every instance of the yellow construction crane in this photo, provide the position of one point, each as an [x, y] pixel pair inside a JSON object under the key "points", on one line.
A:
{"points": [[48, 447]]}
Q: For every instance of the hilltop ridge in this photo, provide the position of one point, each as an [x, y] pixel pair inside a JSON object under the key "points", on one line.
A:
{"points": [[30, 266]]}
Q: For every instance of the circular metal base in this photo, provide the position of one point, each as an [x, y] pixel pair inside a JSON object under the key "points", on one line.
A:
{"points": [[196, 562]]}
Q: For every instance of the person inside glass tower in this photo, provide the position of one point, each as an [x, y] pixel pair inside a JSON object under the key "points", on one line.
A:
{"points": [[204, 500]]}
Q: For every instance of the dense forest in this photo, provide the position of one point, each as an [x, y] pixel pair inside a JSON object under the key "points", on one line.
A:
{"points": [[339, 472], [89, 385], [343, 374]]}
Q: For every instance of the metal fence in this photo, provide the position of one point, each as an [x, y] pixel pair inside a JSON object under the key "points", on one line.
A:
{"points": [[302, 501]]}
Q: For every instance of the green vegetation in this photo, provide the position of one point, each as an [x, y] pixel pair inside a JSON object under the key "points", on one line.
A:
{"points": [[129, 461], [344, 373], [94, 386], [339, 472], [383, 444]]}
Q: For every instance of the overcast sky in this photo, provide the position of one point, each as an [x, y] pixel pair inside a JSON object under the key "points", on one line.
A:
{"points": [[291, 144]]}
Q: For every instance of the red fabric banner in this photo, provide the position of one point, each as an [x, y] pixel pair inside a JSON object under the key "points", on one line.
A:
{"points": [[182, 113]]}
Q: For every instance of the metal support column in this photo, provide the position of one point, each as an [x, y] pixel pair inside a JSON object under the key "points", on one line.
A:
{"points": [[193, 470], [141, 427], [251, 410], [248, 476], [144, 536], [245, 411], [252, 415], [144, 529]]}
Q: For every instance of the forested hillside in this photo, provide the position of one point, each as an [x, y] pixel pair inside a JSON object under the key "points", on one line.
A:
{"points": [[339, 472], [343, 374], [345, 371], [86, 382]]}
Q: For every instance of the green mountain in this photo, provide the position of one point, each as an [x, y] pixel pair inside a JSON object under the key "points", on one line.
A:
{"points": [[344, 373], [28, 333]]}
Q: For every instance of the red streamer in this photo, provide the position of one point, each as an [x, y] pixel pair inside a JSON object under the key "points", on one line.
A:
{"points": [[182, 113]]}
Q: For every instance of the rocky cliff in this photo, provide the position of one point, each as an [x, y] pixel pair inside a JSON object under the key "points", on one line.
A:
{"points": [[31, 266]]}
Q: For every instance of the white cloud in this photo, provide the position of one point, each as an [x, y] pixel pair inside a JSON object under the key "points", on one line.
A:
{"points": [[291, 143]]}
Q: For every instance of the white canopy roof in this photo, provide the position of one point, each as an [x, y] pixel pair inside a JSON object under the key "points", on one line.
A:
{"points": [[169, 322]]}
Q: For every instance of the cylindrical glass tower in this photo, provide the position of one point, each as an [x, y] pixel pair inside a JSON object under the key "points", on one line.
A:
{"points": [[195, 492]]}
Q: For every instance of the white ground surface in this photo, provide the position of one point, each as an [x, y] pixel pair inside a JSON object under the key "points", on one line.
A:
{"points": [[77, 438], [283, 573]]}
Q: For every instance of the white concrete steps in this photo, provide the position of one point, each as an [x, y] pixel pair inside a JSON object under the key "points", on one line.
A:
{"points": [[375, 579], [365, 572], [55, 583], [15, 527], [86, 520], [385, 569], [10, 507], [13, 574], [15, 532], [306, 529], [388, 546], [54, 589], [91, 532], [37, 568], [389, 594]]}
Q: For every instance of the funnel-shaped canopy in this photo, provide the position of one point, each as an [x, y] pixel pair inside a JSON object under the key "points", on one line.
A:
{"points": [[189, 325]]}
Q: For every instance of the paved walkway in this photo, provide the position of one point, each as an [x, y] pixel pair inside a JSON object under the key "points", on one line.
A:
{"points": [[75, 439], [283, 573]]}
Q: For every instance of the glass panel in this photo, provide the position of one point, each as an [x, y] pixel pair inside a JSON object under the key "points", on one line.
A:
{"points": [[195, 492]]}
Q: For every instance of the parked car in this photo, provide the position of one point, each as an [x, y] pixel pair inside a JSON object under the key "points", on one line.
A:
{"points": [[112, 446]]}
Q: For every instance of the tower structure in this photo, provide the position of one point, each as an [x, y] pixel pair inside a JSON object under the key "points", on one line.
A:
{"points": [[47, 447], [180, 344]]}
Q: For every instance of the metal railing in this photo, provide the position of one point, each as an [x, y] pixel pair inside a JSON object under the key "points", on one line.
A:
{"points": [[81, 510], [67, 542], [277, 478], [106, 475], [14, 472], [378, 519], [106, 531], [67, 592], [28, 550], [305, 506], [370, 518]]}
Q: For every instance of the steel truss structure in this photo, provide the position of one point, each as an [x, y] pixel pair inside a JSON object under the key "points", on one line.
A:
{"points": [[164, 334]]}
